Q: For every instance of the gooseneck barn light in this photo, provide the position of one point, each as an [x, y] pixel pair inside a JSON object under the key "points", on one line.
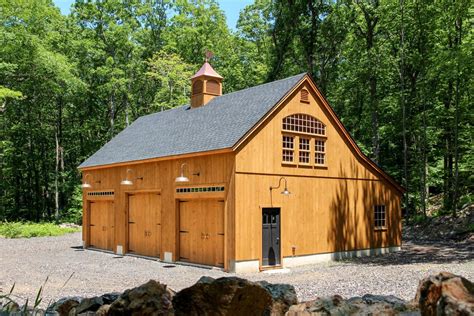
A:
{"points": [[86, 185], [285, 191], [182, 178], [127, 181]]}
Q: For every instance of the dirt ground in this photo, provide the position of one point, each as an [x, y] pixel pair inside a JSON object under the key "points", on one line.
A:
{"points": [[65, 269]]}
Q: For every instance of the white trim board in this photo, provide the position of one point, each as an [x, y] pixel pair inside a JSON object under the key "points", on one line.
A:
{"points": [[252, 266], [332, 256], [245, 266]]}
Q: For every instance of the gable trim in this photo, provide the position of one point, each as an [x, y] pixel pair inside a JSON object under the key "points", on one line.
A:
{"points": [[333, 116]]}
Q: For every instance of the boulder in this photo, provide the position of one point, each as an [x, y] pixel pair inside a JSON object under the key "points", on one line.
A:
{"points": [[103, 310], [64, 306], [381, 305], [365, 305], [283, 295], [334, 305], [89, 305], [445, 294], [79, 305], [151, 298], [231, 296]]}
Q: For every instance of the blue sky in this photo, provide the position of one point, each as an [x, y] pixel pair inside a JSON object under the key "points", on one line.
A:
{"points": [[230, 7]]}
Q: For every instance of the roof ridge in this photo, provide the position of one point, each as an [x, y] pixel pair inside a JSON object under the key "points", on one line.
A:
{"points": [[167, 110], [263, 84], [217, 97]]}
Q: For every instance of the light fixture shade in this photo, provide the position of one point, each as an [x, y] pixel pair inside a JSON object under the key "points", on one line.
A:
{"points": [[182, 179], [126, 182], [86, 186], [285, 192]]}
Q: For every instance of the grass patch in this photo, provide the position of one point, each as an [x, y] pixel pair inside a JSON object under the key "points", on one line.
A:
{"points": [[28, 229]]}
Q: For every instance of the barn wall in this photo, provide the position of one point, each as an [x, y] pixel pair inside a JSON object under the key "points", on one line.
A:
{"points": [[330, 208], [160, 175]]}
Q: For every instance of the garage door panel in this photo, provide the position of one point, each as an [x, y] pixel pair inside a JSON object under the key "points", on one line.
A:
{"points": [[96, 236], [201, 231], [102, 225], [219, 254], [110, 227], [144, 231], [185, 246]]}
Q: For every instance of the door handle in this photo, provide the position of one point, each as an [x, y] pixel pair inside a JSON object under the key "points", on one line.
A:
{"points": [[277, 240], [203, 236]]}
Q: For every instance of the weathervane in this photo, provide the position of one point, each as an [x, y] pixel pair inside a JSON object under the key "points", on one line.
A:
{"points": [[209, 55]]}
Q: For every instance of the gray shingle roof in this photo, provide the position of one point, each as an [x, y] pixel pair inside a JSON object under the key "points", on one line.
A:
{"points": [[219, 124]]}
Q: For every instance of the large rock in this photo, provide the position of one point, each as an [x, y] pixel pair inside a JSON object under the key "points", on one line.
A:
{"points": [[334, 305], [63, 306], [445, 294], [151, 298], [283, 295], [79, 305], [233, 296], [365, 305]]}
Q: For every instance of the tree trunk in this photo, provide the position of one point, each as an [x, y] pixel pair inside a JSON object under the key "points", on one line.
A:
{"points": [[56, 180], [404, 116], [456, 119]]}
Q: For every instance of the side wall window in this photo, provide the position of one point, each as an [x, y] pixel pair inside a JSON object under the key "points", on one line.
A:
{"points": [[380, 216]]}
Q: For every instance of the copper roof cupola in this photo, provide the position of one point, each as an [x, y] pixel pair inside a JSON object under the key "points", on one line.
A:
{"points": [[206, 84]]}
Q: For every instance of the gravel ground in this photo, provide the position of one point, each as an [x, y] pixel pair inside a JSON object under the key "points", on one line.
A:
{"points": [[72, 271]]}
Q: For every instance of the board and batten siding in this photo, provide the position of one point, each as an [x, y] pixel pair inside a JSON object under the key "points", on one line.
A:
{"points": [[159, 177], [330, 208]]}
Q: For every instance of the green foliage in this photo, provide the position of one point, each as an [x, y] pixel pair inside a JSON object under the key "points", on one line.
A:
{"points": [[398, 73], [172, 75], [74, 213], [470, 228], [28, 229]]}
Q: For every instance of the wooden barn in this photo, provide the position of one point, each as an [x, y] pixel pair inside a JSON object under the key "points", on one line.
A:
{"points": [[260, 178]]}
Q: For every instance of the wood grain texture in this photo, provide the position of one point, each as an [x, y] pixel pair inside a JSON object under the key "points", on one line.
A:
{"points": [[159, 177], [330, 208], [102, 225]]}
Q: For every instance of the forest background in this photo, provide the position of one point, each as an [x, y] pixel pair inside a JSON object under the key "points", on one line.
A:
{"points": [[397, 72]]}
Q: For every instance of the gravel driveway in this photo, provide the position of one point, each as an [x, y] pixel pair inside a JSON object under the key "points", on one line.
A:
{"points": [[72, 271]]}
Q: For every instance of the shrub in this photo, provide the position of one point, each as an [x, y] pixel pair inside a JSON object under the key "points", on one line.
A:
{"points": [[74, 213], [28, 229]]}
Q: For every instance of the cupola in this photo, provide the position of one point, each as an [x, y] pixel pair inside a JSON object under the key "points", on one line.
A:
{"points": [[206, 84]]}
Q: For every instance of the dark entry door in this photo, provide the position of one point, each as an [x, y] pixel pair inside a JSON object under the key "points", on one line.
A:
{"points": [[270, 236]]}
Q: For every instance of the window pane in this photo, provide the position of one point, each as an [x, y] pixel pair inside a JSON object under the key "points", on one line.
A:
{"points": [[379, 216], [303, 123]]}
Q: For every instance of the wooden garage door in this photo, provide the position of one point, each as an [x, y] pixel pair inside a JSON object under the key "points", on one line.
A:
{"points": [[102, 224], [144, 224], [201, 232]]}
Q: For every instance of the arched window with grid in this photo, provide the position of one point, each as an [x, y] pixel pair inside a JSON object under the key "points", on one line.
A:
{"points": [[304, 123]]}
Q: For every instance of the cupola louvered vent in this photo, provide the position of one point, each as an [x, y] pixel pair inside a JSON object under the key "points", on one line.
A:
{"points": [[213, 87], [197, 87]]}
